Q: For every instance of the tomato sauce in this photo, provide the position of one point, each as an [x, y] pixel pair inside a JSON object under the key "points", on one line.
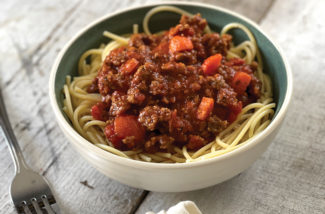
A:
{"points": [[176, 88]]}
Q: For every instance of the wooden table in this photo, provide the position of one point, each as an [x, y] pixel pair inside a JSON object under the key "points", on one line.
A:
{"points": [[288, 178]]}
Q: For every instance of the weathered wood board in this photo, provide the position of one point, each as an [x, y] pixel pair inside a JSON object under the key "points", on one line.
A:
{"points": [[288, 178]]}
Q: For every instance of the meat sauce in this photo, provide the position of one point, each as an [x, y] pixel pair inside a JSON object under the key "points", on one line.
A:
{"points": [[176, 88]]}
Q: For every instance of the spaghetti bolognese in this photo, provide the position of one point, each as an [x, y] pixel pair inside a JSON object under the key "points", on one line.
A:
{"points": [[183, 95]]}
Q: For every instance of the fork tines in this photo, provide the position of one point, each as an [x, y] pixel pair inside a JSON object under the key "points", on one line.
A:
{"points": [[38, 205]]}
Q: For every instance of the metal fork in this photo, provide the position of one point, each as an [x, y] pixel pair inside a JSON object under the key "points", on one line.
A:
{"points": [[30, 192]]}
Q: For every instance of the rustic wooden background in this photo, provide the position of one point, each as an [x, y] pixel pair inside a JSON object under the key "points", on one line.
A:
{"points": [[288, 178]]}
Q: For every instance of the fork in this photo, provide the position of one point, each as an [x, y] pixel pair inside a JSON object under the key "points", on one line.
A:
{"points": [[30, 192]]}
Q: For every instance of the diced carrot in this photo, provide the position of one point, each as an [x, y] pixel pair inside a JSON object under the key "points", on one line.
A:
{"points": [[235, 111], [241, 81], [97, 111], [112, 137], [205, 108], [180, 43], [130, 66], [128, 125], [211, 64]]}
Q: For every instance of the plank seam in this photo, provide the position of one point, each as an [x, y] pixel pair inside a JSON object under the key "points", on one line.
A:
{"points": [[266, 12], [54, 160], [142, 197]]}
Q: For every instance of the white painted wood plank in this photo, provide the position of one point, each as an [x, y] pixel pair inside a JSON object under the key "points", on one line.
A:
{"points": [[24, 73], [29, 91], [22, 34], [290, 176], [103, 196], [23, 24]]}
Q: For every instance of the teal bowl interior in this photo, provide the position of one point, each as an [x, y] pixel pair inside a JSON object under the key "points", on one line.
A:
{"points": [[122, 23]]}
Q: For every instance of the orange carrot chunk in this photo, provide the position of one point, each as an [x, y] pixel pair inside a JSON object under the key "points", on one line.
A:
{"points": [[180, 43], [127, 126], [241, 81], [211, 64], [130, 66], [205, 108]]}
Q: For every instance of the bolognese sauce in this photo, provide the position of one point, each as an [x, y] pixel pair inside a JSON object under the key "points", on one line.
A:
{"points": [[175, 88]]}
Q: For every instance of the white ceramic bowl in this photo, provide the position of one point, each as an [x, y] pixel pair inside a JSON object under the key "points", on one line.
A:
{"points": [[170, 177]]}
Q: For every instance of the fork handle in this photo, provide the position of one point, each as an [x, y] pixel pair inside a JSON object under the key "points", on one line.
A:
{"points": [[10, 138]]}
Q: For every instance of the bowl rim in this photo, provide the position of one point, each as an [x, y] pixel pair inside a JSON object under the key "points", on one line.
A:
{"points": [[150, 165]]}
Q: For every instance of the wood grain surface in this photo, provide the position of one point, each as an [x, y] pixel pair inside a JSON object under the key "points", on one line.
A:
{"points": [[288, 178]]}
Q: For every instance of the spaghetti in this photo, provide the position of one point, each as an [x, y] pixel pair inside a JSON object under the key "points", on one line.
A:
{"points": [[253, 118]]}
